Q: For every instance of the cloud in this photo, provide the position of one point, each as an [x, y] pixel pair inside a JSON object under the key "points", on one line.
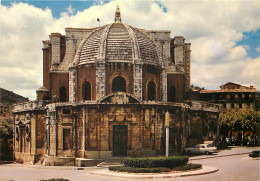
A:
{"points": [[212, 27], [70, 10], [257, 49]]}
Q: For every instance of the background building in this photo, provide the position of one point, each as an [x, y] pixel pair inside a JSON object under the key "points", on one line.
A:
{"points": [[233, 96], [237, 101]]}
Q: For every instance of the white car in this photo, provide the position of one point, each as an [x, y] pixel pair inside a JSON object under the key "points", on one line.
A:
{"points": [[201, 149]]}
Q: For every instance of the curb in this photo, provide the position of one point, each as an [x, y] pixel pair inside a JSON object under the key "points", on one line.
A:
{"points": [[204, 170], [50, 167], [190, 158]]}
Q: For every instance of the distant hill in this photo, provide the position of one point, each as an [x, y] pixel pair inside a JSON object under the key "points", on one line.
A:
{"points": [[9, 98]]}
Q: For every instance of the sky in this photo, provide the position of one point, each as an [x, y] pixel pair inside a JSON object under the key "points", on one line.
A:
{"points": [[224, 35]]}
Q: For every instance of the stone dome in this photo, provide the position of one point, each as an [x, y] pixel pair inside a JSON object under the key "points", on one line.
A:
{"points": [[117, 42]]}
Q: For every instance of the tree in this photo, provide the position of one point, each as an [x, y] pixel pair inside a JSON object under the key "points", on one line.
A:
{"points": [[240, 121], [6, 133], [251, 121], [228, 122], [6, 129]]}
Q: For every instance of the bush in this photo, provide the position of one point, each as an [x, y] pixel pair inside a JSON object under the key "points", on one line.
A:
{"points": [[255, 154], [168, 162], [139, 170]]}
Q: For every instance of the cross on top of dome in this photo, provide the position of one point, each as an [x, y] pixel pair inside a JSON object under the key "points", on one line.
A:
{"points": [[117, 15]]}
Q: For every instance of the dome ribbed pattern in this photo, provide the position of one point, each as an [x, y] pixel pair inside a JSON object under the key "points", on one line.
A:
{"points": [[119, 47], [146, 46], [121, 43], [90, 48]]}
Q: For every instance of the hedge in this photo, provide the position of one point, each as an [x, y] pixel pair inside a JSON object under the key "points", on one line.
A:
{"points": [[168, 162], [154, 170]]}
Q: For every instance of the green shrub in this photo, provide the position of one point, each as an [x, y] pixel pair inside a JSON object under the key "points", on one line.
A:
{"points": [[168, 162], [139, 170]]}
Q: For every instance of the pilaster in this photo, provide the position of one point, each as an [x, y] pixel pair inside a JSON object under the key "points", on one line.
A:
{"points": [[138, 76], [164, 85], [72, 84], [100, 79]]}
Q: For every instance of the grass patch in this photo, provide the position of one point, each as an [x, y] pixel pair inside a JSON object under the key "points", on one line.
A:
{"points": [[190, 166], [154, 169]]}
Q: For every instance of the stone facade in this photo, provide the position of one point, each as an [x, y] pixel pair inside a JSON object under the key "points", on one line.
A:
{"points": [[105, 94]]}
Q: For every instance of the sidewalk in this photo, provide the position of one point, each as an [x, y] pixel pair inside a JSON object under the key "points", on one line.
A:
{"points": [[105, 172]]}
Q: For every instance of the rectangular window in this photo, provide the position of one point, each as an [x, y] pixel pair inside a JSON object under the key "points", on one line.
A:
{"points": [[65, 111]]}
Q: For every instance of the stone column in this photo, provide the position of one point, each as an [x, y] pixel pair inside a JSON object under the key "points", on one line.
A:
{"points": [[137, 84], [53, 136]]}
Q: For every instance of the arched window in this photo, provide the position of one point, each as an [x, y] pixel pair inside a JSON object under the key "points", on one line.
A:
{"points": [[86, 91], [119, 84], [151, 92], [62, 94], [172, 94]]}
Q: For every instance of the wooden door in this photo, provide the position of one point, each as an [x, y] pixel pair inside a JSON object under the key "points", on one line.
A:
{"points": [[119, 140], [66, 139]]}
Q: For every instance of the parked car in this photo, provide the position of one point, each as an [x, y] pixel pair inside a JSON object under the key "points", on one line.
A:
{"points": [[223, 143], [201, 149]]}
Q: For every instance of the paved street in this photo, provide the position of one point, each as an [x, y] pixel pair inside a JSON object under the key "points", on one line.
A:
{"points": [[236, 167]]}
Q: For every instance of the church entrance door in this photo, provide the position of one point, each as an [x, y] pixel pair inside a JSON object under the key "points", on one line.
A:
{"points": [[119, 140]]}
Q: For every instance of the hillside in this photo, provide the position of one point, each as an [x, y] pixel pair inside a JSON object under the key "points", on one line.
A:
{"points": [[9, 98]]}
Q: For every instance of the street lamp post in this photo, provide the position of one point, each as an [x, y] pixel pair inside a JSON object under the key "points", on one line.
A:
{"points": [[167, 124]]}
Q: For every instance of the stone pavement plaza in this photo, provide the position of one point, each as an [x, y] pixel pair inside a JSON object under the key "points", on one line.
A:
{"points": [[232, 164]]}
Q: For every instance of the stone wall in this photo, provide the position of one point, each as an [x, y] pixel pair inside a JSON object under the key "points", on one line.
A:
{"points": [[176, 80], [58, 80], [86, 73]]}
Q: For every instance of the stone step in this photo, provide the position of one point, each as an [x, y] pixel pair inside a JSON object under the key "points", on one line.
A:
{"points": [[82, 162], [109, 164]]}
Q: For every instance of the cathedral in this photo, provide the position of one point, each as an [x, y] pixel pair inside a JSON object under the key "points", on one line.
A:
{"points": [[111, 91]]}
